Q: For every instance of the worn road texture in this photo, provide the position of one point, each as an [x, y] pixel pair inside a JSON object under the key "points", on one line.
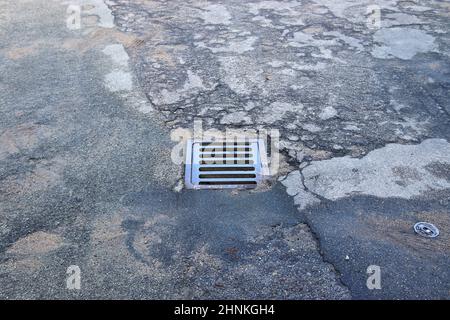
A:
{"points": [[363, 110], [86, 179], [86, 176]]}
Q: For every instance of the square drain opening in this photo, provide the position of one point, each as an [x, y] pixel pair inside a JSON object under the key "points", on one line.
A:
{"points": [[225, 164]]}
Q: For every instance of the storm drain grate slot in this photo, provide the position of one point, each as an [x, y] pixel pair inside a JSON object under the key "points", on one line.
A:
{"points": [[226, 161], [226, 168], [216, 165]]}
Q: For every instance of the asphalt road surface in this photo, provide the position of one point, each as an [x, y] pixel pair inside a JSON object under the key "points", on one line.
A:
{"points": [[91, 90]]}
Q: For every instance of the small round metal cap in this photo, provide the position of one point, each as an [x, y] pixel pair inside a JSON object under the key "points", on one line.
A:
{"points": [[426, 229]]}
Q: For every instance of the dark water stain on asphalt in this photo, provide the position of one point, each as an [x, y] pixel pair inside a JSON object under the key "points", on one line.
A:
{"points": [[222, 244], [222, 219]]}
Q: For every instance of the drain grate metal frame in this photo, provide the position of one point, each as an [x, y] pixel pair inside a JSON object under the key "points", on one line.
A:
{"points": [[239, 164]]}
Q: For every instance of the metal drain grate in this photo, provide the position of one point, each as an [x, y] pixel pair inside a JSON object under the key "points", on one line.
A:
{"points": [[426, 229], [227, 164]]}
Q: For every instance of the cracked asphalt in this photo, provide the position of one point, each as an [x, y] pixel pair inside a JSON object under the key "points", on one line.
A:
{"points": [[86, 176]]}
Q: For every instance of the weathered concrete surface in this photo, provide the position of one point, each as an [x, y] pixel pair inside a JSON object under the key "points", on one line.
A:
{"points": [[365, 209], [86, 179], [315, 70], [363, 114], [400, 171]]}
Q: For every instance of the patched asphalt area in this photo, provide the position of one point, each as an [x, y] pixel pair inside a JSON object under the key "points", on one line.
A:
{"points": [[217, 244], [315, 70]]}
